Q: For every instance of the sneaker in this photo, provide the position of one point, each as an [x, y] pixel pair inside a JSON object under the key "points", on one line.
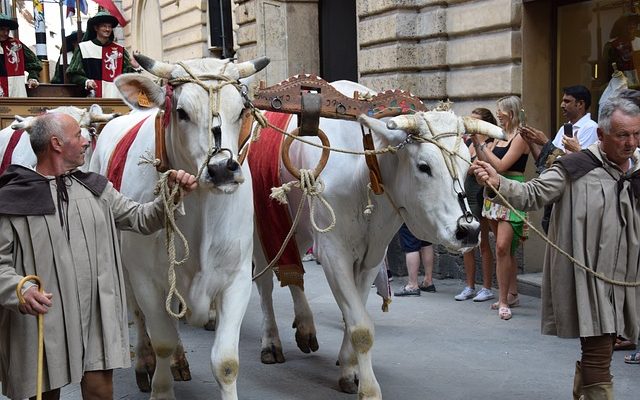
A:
{"points": [[466, 294], [405, 291], [308, 257], [483, 295]]}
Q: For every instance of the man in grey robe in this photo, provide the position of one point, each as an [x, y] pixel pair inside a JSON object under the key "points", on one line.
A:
{"points": [[61, 224], [596, 219]]}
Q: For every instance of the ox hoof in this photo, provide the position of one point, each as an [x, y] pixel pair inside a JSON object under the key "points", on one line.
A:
{"points": [[210, 325], [272, 355], [143, 380], [180, 371], [307, 343], [348, 385]]}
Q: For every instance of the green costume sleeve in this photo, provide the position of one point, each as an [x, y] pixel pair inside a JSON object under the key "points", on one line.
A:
{"points": [[75, 70], [31, 63], [126, 63], [57, 77]]}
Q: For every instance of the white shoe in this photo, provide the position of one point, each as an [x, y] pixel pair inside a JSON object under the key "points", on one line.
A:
{"points": [[308, 257], [466, 294], [483, 295]]}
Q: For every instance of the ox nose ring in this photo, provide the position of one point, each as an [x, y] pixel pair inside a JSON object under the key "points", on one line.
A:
{"points": [[232, 165]]}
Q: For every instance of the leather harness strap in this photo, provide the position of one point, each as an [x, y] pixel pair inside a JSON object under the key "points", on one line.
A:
{"points": [[310, 116], [161, 147], [245, 135]]}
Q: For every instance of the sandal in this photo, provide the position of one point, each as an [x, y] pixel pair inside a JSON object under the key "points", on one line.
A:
{"points": [[505, 313], [514, 302], [633, 358], [405, 291], [623, 344]]}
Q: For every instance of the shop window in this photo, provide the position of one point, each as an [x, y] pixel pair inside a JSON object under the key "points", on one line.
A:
{"points": [[594, 38]]}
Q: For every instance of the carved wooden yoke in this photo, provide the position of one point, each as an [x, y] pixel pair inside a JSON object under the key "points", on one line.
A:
{"points": [[286, 97], [311, 97]]}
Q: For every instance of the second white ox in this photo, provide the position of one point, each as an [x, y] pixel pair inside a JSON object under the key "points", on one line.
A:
{"points": [[219, 215], [22, 153], [424, 192]]}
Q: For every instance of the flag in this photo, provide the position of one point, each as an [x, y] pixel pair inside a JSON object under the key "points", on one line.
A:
{"points": [[113, 10], [71, 7]]}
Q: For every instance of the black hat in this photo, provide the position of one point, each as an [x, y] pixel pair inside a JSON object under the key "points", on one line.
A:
{"points": [[71, 39], [6, 20], [100, 18]]}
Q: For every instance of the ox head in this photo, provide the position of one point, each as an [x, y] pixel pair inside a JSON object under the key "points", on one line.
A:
{"points": [[205, 100], [426, 178], [87, 119]]}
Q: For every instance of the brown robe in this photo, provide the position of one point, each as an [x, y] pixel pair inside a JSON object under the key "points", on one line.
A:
{"points": [[596, 219], [86, 328]]}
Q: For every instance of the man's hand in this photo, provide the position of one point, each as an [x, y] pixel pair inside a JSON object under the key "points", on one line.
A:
{"points": [[571, 144], [32, 83], [186, 181], [35, 302], [533, 135], [90, 84], [485, 174]]}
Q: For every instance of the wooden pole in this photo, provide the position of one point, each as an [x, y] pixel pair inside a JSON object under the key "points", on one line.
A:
{"points": [[78, 21], [40, 365], [63, 48], [14, 10]]}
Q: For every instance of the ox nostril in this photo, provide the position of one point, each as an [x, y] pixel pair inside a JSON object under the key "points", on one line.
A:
{"points": [[462, 232], [232, 165]]}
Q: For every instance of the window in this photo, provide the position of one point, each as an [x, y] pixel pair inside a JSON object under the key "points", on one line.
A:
{"points": [[220, 27]]}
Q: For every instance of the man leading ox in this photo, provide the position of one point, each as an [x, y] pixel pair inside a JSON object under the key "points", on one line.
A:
{"points": [[61, 224], [596, 219]]}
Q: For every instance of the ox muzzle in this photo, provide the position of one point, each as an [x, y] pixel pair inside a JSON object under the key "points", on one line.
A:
{"points": [[225, 172], [467, 231]]}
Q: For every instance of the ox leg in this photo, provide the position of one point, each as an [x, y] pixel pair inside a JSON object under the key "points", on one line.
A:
{"points": [[359, 330], [145, 363], [224, 353], [180, 365], [303, 322], [271, 351]]}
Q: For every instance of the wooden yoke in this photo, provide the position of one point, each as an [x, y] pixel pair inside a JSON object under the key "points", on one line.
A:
{"points": [[292, 96]]}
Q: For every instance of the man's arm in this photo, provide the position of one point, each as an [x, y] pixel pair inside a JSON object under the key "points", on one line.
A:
{"points": [[35, 302], [531, 195], [31, 63], [75, 70]]}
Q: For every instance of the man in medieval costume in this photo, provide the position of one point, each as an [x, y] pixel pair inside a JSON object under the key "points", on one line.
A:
{"points": [[98, 60], [15, 60], [62, 225], [71, 44], [596, 219]]}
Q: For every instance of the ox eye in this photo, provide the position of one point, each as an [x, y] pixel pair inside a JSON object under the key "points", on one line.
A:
{"points": [[424, 168], [182, 115]]}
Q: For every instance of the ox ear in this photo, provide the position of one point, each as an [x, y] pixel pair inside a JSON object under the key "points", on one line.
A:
{"points": [[379, 127], [140, 92], [22, 123]]}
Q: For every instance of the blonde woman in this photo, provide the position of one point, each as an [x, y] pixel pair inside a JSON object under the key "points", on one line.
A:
{"points": [[509, 158]]}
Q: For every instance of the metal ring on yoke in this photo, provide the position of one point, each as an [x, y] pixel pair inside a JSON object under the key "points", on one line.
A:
{"points": [[286, 145]]}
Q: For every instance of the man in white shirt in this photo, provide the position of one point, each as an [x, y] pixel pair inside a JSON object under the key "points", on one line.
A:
{"points": [[576, 100]]}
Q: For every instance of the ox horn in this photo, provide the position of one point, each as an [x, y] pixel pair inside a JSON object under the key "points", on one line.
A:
{"points": [[102, 118], [157, 68], [404, 122], [249, 68], [477, 126], [23, 123]]}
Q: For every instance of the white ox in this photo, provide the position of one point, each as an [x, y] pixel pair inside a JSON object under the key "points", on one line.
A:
{"points": [[219, 215], [23, 154], [426, 196]]}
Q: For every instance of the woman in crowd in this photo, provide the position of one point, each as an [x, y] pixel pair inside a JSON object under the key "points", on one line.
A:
{"points": [[509, 158], [475, 197]]}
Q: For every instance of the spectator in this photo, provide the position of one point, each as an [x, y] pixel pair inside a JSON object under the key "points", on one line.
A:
{"points": [[98, 60], [15, 60], [416, 250], [599, 229], [475, 198], [509, 158], [71, 44], [62, 224], [576, 101]]}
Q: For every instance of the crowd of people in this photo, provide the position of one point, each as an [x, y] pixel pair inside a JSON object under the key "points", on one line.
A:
{"points": [[587, 173], [94, 62]]}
